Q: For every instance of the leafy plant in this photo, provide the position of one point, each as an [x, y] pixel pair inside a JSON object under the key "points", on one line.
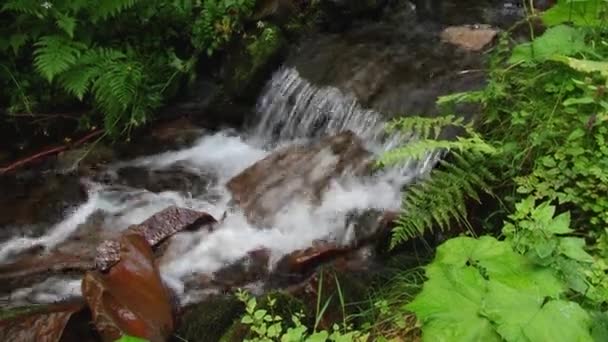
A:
{"points": [[122, 58], [268, 327], [480, 289], [441, 199]]}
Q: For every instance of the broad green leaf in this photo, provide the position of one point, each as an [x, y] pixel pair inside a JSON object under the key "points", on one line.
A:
{"points": [[559, 321], [559, 40], [599, 326], [583, 65], [574, 248], [449, 306], [511, 309], [560, 224], [578, 12], [320, 336], [127, 338]]}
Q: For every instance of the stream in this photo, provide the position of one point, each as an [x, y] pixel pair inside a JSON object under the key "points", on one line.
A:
{"points": [[331, 83]]}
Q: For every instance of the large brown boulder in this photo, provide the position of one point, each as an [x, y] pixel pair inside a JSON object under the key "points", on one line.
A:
{"points": [[130, 298], [296, 173]]}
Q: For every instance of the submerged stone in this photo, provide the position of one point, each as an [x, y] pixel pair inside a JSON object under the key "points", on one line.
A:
{"points": [[297, 173]]}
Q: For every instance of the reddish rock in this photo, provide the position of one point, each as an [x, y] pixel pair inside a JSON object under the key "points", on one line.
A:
{"points": [[53, 323], [155, 230], [469, 37], [306, 260], [296, 173], [130, 298], [78, 254]]}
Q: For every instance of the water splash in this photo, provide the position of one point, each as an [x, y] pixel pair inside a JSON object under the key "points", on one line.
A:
{"points": [[290, 110]]}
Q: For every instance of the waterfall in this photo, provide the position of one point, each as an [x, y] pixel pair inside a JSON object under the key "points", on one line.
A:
{"points": [[290, 110], [293, 108]]}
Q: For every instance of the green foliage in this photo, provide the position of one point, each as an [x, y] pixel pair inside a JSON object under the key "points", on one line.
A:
{"points": [[588, 13], [558, 40], [122, 58], [549, 241], [441, 199], [267, 326], [127, 338], [481, 290], [218, 22]]}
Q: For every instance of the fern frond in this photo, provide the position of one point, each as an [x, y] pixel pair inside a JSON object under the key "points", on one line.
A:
{"points": [[56, 54], [66, 23], [23, 6], [440, 200], [105, 9], [424, 127], [78, 79], [117, 85]]}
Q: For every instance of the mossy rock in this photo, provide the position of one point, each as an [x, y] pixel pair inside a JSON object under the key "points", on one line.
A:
{"points": [[251, 59], [209, 320], [11, 313]]}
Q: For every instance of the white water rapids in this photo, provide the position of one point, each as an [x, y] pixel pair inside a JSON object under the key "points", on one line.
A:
{"points": [[291, 109]]}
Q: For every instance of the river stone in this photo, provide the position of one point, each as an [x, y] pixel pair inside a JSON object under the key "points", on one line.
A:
{"points": [[50, 323], [469, 37], [131, 298], [296, 173]]}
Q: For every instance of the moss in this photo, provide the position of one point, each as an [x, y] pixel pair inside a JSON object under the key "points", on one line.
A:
{"points": [[210, 319], [10, 313], [251, 59]]}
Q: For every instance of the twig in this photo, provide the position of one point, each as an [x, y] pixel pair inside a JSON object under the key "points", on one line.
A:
{"points": [[54, 150]]}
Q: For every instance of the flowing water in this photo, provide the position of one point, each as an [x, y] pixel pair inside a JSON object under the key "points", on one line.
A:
{"points": [[395, 67], [310, 112]]}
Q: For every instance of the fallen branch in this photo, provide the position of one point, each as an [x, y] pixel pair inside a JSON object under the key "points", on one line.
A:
{"points": [[55, 150]]}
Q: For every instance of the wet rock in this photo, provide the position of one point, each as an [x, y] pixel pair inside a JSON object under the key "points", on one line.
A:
{"points": [[338, 15], [177, 133], [209, 320], [250, 60], [296, 173], [154, 230], [302, 262], [92, 245], [30, 270], [174, 178], [253, 267], [370, 224], [84, 158], [32, 203], [469, 37], [52, 323], [130, 298]]}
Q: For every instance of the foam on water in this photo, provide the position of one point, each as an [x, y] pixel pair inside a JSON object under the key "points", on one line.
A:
{"points": [[290, 110]]}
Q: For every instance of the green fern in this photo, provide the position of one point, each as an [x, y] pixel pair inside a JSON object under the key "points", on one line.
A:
{"points": [[56, 54], [105, 9], [439, 200], [78, 79], [31, 7]]}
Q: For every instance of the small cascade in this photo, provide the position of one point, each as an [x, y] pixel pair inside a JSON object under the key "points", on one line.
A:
{"points": [[292, 108]]}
